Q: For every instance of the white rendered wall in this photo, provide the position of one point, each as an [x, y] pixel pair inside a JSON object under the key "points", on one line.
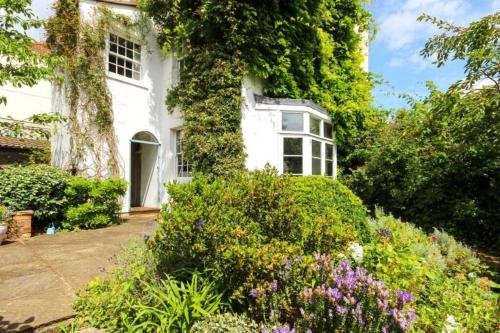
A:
{"points": [[24, 102], [138, 106]]}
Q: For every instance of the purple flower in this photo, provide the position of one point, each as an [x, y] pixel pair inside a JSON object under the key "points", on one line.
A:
{"points": [[341, 310], [147, 237], [384, 233], [301, 310], [158, 277], [382, 305], [299, 258], [284, 329], [345, 265], [254, 293], [275, 285], [404, 297], [309, 331], [385, 329], [199, 224], [288, 262]]}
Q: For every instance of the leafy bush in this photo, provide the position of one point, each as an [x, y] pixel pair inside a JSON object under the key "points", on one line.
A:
{"points": [[35, 187], [227, 323], [444, 275], [93, 203], [175, 306], [315, 294], [244, 227], [133, 298], [333, 214], [109, 304]]}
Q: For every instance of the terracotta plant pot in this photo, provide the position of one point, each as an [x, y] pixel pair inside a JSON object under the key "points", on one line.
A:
{"points": [[22, 222], [3, 232]]}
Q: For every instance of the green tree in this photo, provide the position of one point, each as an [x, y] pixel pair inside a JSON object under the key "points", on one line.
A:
{"points": [[477, 44], [20, 64], [437, 164]]}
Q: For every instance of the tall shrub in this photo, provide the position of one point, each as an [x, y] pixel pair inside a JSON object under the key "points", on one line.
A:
{"points": [[37, 187]]}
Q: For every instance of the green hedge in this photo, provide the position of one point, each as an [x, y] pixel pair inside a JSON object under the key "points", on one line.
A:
{"points": [[35, 187], [55, 196]]}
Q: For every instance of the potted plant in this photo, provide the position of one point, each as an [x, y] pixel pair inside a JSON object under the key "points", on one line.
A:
{"points": [[4, 226]]}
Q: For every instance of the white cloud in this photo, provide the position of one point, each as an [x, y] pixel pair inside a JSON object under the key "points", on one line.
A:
{"points": [[403, 36]]}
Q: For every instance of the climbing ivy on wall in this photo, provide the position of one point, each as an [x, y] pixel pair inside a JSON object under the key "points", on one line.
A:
{"points": [[82, 43], [300, 49]]}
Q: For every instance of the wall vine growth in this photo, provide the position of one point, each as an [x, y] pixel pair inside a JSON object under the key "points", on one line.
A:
{"points": [[300, 49], [90, 120]]}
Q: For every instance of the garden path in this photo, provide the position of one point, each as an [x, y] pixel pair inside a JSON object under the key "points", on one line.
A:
{"points": [[39, 276]]}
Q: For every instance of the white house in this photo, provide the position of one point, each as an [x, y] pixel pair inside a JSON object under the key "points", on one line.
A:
{"points": [[295, 136]]}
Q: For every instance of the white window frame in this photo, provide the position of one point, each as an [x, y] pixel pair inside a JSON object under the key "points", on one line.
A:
{"points": [[301, 156], [180, 162], [137, 62], [307, 142]]}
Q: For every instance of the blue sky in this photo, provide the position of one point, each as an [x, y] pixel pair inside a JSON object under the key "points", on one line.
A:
{"points": [[394, 53]]}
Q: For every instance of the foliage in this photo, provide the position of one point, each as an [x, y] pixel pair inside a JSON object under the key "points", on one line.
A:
{"points": [[332, 206], [81, 43], [175, 306], [476, 44], [93, 203], [21, 65], [56, 196], [313, 293], [34, 187], [300, 49], [437, 165], [133, 298], [226, 323], [244, 227], [26, 130], [444, 276], [109, 303]]}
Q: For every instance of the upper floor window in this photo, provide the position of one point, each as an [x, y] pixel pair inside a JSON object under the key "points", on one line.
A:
{"points": [[124, 57], [291, 121], [183, 168]]}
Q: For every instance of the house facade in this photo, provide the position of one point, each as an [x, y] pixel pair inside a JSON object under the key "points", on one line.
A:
{"points": [[294, 136]]}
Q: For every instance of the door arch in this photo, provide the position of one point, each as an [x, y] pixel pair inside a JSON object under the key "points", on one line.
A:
{"points": [[144, 171]]}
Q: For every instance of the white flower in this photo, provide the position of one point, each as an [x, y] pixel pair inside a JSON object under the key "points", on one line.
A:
{"points": [[356, 252], [450, 325]]}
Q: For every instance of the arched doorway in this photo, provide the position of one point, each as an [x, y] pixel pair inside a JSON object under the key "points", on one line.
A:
{"points": [[144, 171]]}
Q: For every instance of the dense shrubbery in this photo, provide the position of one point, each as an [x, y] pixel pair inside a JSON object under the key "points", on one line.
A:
{"points": [[243, 228], [37, 187], [56, 196], [93, 203], [252, 236]]}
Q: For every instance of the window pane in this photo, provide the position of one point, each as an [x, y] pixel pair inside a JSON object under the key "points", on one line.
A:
{"points": [[292, 146], [112, 47], [292, 165], [329, 169], [314, 126], [328, 130], [112, 68], [329, 151], [316, 148], [292, 122], [316, 166]]}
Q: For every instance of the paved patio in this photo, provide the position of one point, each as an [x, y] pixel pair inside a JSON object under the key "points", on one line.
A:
{"points": [[39, 276]]}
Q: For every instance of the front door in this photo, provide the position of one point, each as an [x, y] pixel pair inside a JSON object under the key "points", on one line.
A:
{"points": [[135, 185]]}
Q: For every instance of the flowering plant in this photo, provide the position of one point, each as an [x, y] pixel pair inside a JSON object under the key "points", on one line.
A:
{"points": [[314, 294]]}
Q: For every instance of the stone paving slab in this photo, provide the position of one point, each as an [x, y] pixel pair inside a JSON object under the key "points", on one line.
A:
{"points": [[40, 276]]}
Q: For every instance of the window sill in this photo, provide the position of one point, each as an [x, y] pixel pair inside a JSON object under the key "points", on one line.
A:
{"points": [[123, 79]]}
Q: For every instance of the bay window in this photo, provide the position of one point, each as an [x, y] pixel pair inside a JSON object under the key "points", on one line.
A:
{"points": [[292, 156]]}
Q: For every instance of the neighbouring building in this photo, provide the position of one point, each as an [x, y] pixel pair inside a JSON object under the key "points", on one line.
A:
{"points": [[295, 136], [22, 103]]}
